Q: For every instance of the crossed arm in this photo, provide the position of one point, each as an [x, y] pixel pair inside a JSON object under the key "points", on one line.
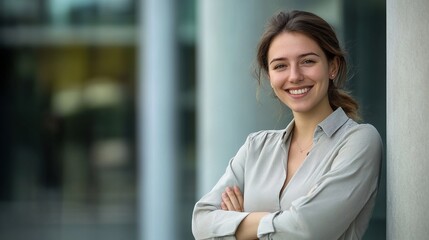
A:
{"points": [[346, 189], [232, 200]]}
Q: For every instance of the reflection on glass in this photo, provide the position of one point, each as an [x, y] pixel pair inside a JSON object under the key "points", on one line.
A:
{"points": [[70, 163]]}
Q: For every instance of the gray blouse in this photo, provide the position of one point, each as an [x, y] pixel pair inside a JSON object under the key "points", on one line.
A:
{"points": [[331, 196]]}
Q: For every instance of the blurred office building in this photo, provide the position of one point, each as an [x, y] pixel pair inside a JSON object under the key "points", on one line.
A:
{"points": [[117, 115]]}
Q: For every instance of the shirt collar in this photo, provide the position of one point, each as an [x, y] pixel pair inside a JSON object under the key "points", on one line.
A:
{"points": [[333, 122], [288, 130], [329, 126]]}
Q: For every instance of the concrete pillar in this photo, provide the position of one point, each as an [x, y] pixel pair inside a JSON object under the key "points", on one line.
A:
{"points": [[157, 98], [228, 109], [407, 119]]}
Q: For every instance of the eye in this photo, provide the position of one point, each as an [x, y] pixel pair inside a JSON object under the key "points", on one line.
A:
{"points": [[308, 61], [279, 66]]}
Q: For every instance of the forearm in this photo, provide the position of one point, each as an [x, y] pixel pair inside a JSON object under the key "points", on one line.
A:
{"points": [[232, 200], [214, 224], [248, 228]]}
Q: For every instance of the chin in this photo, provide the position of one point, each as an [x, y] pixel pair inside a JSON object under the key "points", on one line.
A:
{"points": [[299, 109]]}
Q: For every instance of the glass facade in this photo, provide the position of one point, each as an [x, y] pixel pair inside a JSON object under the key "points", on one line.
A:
{"points": [[68, 96], [68, 142]]}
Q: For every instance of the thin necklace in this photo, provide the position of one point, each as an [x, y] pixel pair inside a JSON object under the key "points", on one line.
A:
{"points": [[301, 150]]}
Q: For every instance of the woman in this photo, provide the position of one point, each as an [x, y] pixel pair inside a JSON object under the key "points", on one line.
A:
{"points": [[318, 178]]}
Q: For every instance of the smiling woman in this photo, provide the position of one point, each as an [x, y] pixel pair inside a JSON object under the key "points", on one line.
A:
{"points": [[316, 179]]}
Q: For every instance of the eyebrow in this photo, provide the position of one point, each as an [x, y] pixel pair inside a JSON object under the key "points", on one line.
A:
{"points": [[299, 56]]}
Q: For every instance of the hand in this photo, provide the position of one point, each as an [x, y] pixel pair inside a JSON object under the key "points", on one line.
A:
{"points": [[232, 199]]}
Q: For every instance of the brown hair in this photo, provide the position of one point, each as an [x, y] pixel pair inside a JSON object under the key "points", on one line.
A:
{"points": [[320, 31]]}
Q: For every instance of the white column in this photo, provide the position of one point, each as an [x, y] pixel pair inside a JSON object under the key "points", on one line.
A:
{"points": [[156, 115], [407, 119]]}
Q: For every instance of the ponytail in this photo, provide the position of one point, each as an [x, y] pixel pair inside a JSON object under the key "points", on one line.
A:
{"points": [[341, 98]]}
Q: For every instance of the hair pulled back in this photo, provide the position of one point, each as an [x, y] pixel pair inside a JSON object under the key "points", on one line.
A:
{"points": [[321, 32]]}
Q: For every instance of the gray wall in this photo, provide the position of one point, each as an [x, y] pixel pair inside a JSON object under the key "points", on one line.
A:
{"points": [[407, 116]]}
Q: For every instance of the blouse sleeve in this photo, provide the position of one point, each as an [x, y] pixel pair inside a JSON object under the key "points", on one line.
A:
{"points": [[337, 198], [209, 221]]}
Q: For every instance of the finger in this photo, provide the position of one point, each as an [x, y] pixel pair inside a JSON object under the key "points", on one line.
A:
{"points": [[233, 198], [239, 197], [223, 206], [227, 202]]}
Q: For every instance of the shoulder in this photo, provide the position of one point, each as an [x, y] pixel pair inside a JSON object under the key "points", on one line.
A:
{"points": [[257, 143], [362, 139], [266, 135], [265, 140], [365, 133], [359, 146]]}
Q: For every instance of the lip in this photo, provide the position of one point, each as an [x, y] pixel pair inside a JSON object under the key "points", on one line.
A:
{"points": [[298, 92]]}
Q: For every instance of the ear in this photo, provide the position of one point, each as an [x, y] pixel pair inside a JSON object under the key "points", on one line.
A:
{"points": [[333, 68]]}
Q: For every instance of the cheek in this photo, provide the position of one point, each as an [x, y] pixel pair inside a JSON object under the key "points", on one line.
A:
{"points": [[275, 84], [324, 86], [276, 81], [320, 73]]}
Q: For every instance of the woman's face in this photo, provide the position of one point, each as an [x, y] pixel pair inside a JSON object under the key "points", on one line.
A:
{"points": [[299, 72]]}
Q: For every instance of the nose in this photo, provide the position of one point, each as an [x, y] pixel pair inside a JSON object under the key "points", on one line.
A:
{"points": [[295, 74]]}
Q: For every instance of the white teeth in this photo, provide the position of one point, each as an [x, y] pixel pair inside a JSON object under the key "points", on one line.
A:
{"points": [[298, 91]]}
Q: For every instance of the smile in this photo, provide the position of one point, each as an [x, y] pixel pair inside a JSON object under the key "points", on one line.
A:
{"points": [[299, 91]]}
